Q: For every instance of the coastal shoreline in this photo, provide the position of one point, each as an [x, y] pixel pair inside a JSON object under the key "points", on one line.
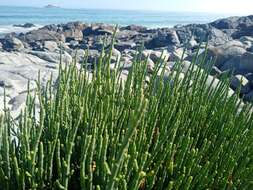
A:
{"points": [[150, 19], [6, 29], [230, 43]]}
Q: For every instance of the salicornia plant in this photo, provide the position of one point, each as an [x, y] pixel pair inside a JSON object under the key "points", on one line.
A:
{"points": [[107, 132]]}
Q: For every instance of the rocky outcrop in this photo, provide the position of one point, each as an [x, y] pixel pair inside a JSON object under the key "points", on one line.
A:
{"points": [[10, 43], [230, 44], [98, 29], [236, 27], [16, 69], [50, 46], [233, 23], [26, 25], [41, 35], [72, 31], [163, 38], [53, 57], [202, 33]]}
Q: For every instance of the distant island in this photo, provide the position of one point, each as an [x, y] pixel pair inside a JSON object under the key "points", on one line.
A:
{"points": [[51, 6]]}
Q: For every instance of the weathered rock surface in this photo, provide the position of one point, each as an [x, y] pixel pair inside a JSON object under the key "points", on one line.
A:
{"points": [[163, 38], [50, 46], [10, 43], [52, 57], [16, 69], [41, 35]]}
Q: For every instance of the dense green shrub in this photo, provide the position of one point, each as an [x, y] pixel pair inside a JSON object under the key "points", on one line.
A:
{"points": [[109, 134]]}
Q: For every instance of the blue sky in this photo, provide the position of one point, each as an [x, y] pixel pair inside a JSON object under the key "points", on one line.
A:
{"points": [[214, 6]]}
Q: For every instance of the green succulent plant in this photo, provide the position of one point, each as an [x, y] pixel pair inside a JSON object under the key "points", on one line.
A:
{"points": [[106, 133]]}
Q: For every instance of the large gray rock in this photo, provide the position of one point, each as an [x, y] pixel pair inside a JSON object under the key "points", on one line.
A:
{"points": [[52, 57], [163, 38], [217, 37], [226, 56], [233, 22], [26, 25], [240, 64], [126, 35], [99, 29], [239, 26], [42, 35], [73, 34], [50, 46], [73, 25], [16, 69], [11, 43], [202, 33]]}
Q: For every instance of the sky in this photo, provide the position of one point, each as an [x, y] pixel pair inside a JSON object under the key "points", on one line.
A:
{"points": [[213, 6]]}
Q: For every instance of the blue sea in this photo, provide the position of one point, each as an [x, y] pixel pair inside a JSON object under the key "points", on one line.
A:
{"points": [[43, 16]]}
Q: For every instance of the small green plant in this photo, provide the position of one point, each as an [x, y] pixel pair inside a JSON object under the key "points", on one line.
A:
{"points": [[106, 133]]}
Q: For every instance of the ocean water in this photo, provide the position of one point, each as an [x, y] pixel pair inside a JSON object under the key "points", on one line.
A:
{"points": [[43, 16]]}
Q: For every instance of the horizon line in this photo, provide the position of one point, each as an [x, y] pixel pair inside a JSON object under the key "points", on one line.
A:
{"points": [[116, 9]]}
